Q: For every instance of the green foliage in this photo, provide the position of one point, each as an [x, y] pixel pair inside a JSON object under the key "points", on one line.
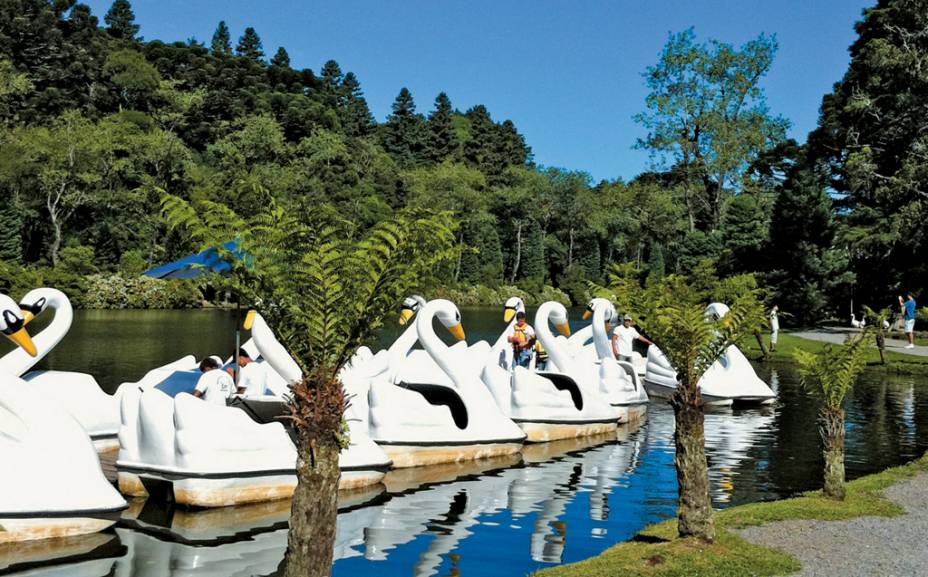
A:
{"points": [[281, 59], [403, 136], [833, 371], [802, 267], [249, 46], [11, 232], [133, 76], [481, 295], [133, 263], [707, 116], [671, 311], [442, 141], [129, 291], [221, 45], [120, 20], [325, 287], [868, 145]]}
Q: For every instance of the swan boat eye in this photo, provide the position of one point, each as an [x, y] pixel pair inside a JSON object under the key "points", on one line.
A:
{"points": [[35, 308], [13, 323]]}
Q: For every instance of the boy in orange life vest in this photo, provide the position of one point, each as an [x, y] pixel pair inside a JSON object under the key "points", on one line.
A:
{"points": [[522, 340]]}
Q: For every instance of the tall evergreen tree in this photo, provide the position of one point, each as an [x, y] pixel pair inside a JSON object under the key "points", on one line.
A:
{"points": [[11, 235], [532, 266], [481, 150], [331, 79], [356, 117], [442, 138], [281, 59], [120, 20], [222, 40], [249, 45], [656, 262], [403, 134], [872, 134], [513, 150], [802, 266]]}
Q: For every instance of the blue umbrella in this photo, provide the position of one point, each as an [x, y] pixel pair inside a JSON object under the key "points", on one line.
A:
{"points": [[210, 261]]}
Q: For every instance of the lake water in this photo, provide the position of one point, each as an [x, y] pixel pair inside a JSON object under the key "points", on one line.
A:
{"points": [[557, 503]]}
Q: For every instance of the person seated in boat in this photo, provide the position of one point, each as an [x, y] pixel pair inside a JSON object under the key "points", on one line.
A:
{"points": [[252, 380], [541, 357], [523, 341], [623, 338], [214, 386]]}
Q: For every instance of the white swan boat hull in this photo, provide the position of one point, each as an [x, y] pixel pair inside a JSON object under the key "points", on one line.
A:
{"points": [[423, 454]]}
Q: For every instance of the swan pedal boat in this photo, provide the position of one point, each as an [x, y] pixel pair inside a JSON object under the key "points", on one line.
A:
{"points": [[546, 405], [78, 394], [205, 455], [423, 415], [41, 444], [731, 380]]}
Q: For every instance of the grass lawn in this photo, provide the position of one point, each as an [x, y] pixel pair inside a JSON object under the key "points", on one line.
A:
{"points": [[656, 552], [895, 362]]}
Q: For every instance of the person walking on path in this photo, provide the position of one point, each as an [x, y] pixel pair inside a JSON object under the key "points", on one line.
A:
{"points": [[774, 327], [908, 315]]}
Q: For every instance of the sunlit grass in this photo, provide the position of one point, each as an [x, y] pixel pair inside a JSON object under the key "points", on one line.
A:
{"points": [[895, 362]]}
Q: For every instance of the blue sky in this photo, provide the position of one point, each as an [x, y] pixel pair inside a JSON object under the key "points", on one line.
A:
{"points": [[567, 73]]}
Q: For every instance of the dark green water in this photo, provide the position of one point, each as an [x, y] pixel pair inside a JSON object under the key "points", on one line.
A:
{"points": [[559, 504]]}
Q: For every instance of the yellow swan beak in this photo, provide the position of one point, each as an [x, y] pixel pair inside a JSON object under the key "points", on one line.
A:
{"points": [[608, 327], [508, 314], [457, 331], [249, 320], [405, 316], [587, 314], [27, 317], [22, 338], [563, 328]]}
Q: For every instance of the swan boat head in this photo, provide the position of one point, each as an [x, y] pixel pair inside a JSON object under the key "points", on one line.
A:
{"points": [[13, 325], [411, 305], [513, 305]]}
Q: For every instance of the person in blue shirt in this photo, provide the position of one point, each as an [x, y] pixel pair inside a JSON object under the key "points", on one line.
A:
{"points": [[908, 315]]}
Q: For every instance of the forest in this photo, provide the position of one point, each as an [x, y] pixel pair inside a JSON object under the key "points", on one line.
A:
{"points": [[97, 125]]}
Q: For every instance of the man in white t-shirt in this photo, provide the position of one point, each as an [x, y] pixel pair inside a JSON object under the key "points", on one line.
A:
{"points": [[214, 386], [623, 337], [252, 379]]}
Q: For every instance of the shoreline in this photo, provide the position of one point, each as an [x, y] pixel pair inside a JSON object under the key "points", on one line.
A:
{"points": [[657, 552]]}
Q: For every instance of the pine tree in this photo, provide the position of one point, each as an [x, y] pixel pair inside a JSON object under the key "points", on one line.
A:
{"points": [[513, 150], [120, 20], [656, 266], [11, 241], [404, 132], [802, 267], [483, 150], [281, 59], [356, 117], [442, 138], [331, 81], [222, 40], [532, 265], [249, 45]]}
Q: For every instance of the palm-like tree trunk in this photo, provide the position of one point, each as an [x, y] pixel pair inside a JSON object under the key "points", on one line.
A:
{"points": [[313, 513], [831, 427], [317, 410], [694, 514]]}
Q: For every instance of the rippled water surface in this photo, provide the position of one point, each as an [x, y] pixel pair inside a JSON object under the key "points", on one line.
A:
{"points": [[557, 503]]}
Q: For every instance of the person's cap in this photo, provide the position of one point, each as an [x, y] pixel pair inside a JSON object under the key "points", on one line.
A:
{"points": [[627, 318]]}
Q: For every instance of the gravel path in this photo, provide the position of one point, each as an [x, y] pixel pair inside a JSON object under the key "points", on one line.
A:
{"points": [[838, 334], [865, 546]]}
